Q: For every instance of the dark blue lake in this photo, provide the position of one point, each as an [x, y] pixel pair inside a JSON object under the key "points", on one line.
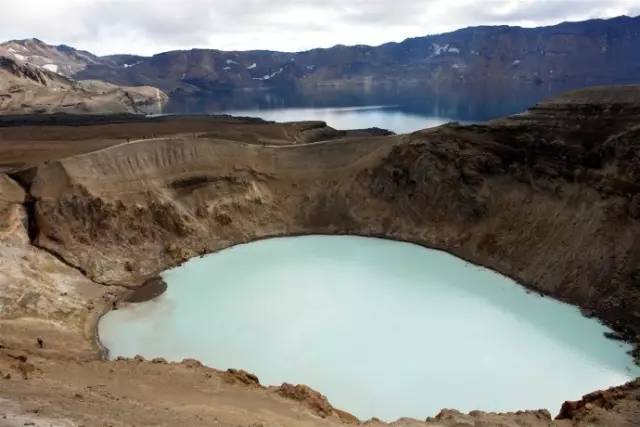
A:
{"points": [[399, 109]]}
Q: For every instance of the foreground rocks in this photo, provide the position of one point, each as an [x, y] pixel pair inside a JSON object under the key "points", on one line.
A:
{"points": [[608, 407], [548, 198], [127, 392], [137, 392]]}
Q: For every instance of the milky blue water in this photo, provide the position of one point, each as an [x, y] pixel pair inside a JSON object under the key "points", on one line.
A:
{"points": [[382, 328]]}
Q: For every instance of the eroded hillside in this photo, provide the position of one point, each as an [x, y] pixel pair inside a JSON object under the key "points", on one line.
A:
{"points": [[25, 88], [550, 198]]}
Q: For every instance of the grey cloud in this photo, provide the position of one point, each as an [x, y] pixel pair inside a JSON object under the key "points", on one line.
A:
{"points": [[148, 26], [544, 11]]}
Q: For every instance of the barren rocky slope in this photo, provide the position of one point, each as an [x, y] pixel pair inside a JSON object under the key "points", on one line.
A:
{"points": [[551, 198], [61, 59], [28, 140], [25, 88]]}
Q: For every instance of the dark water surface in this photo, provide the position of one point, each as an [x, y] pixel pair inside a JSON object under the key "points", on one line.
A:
{"points": [[399, 109]]}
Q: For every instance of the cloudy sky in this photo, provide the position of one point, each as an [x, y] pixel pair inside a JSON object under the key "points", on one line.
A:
{"points": [[152, 26]]}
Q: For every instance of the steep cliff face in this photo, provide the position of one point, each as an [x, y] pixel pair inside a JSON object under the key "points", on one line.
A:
{"points": [[502, 58], [40, 296]]}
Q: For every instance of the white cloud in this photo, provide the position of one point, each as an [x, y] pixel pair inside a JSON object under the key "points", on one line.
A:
{"points": [[151, 26]]}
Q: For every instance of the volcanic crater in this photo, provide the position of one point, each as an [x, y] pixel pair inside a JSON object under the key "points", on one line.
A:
{"points": [[92, 208]]}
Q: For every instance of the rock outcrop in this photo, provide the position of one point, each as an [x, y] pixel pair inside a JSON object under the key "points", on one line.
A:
{"points": [[46, 306], [605, 407], [547, 197]]}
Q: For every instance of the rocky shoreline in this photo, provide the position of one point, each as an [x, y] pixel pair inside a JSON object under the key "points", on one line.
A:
{"points": [[548, 198], [150, 289]]}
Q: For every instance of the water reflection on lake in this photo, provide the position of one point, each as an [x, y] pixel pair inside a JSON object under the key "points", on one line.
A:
{"points": [[397, 109]]}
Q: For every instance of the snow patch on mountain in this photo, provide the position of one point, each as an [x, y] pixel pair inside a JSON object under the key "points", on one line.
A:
{"points": [[438, 50], [269, 76], [51, 67], [441, 49]]}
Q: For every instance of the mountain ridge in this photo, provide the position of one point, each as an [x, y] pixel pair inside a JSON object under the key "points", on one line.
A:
{"points": [[27, 88], [575, 54], [563, 23]]}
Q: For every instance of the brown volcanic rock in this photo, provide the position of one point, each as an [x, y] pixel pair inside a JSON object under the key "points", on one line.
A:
{"points": [[29, 140], [131, 392], [617, 406], [41, 298], [25, 88], [449, 417], [10, 192], [60, 59], [546, 197], [314, 400]]}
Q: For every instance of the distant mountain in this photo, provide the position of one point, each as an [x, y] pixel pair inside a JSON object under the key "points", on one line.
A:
{"points": [[582, 53], [27, 88], [569, 54], [62, 59]]}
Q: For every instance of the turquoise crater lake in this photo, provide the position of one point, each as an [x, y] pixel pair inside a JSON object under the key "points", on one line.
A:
{"points": [[382, 328]]}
